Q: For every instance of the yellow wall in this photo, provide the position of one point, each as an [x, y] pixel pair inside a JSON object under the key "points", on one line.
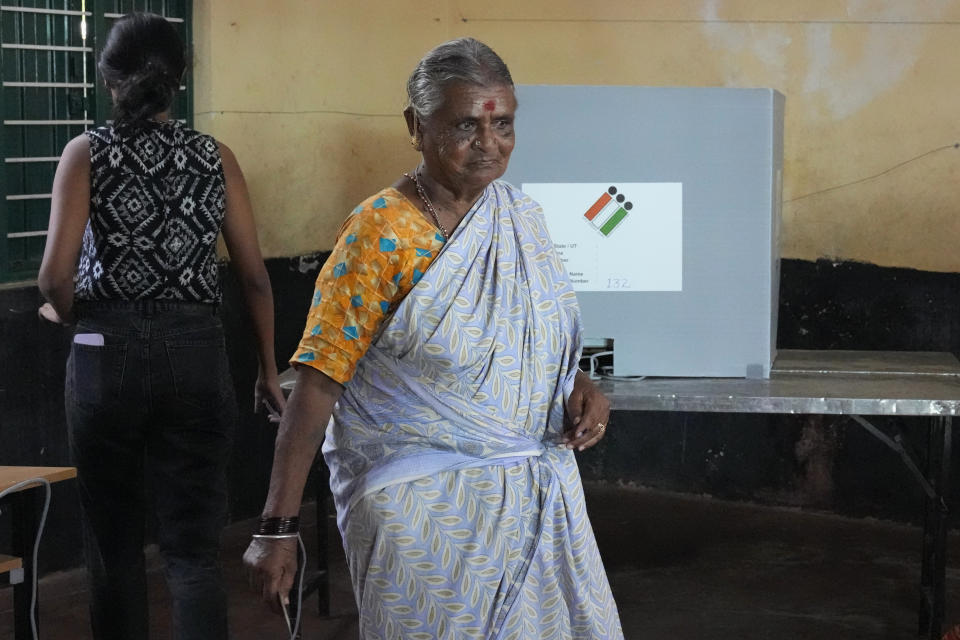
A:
{"points": [[308, 93]]}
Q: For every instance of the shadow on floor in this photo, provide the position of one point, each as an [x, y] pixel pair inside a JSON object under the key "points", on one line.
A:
{"points": [[681, 567]]}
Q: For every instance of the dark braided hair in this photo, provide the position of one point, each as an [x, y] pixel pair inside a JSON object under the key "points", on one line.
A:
{"points": [[142, 62]]}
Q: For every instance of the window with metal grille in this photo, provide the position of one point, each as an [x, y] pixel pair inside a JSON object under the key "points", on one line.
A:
{"points": [[50, 94]]}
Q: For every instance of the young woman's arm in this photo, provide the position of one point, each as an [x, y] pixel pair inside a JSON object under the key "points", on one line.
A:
{"points": [[240, 235], [69, 212]]}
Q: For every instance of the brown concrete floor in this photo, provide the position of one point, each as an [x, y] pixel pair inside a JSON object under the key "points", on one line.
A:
{"points": [[681, 567]]}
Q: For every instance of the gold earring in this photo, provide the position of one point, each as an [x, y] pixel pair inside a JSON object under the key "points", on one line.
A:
{"points": [[415, 143]]}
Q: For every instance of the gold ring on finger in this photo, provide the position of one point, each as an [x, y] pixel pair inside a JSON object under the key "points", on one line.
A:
{"points": [[601, 427]]}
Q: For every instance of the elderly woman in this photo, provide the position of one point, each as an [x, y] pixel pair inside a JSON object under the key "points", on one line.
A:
{"points": [[444, 339]]}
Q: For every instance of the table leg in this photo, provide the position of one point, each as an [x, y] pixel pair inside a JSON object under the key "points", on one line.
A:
{"points": [[322, 578], [319, 580], [25, 514], [934, 560]]}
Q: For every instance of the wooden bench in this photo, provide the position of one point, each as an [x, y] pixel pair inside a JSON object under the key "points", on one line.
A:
{"points": [[26, 505], [13, 566]]}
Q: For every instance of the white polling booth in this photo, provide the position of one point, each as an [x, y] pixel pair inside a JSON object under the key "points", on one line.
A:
{"points": [[664, 204]]}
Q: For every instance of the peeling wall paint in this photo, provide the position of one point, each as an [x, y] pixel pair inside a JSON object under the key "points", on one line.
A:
{"points": [[765, 46], [850, 75]]}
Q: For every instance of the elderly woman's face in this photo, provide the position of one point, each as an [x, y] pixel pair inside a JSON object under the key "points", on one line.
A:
{"points": [[467, 142]]}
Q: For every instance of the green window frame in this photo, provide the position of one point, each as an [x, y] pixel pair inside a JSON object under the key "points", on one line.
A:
{"points": [[50, 94]]}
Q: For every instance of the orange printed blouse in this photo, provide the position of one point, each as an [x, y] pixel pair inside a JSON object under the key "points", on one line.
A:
{"points": [[382, 250]]}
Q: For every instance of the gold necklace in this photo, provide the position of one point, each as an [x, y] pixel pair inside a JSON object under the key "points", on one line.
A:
{"points": [[426, 201]]}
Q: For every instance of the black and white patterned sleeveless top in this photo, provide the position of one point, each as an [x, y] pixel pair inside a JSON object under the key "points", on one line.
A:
{"points": [[157, 199]]}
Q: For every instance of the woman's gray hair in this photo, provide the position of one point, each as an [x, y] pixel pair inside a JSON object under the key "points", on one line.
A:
{"points": [[463, 60]]}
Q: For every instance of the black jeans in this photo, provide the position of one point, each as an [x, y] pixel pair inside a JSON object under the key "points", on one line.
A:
{"points": [[153, 404]]}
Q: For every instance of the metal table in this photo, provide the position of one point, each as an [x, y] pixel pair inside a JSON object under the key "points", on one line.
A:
{"points": [[848, 383]]}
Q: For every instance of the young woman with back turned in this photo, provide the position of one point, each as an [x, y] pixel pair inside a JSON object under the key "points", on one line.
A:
{"points": [[131, 260]]}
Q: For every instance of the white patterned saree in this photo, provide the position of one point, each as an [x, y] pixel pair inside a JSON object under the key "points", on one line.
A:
{"points": [[461, 516]]}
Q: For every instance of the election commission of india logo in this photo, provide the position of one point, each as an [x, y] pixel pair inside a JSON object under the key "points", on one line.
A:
{"points": [[609, 210]]}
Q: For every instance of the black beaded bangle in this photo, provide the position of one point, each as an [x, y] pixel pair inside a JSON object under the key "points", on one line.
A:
{"points": [[277, 526]]}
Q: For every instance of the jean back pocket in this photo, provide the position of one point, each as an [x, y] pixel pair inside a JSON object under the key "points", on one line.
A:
{"points": [[95, 375], [199, 369]]}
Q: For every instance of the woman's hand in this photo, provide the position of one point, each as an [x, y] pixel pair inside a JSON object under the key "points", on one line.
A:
{"points": [[267, 393], [588, 411], [48, 313], [271, 566]]}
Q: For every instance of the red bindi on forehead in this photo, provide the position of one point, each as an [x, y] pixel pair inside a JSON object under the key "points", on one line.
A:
{"points": [[489, 105]]}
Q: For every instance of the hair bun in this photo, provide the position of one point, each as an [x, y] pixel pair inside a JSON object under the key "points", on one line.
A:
{"points": [[154, 48]]}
